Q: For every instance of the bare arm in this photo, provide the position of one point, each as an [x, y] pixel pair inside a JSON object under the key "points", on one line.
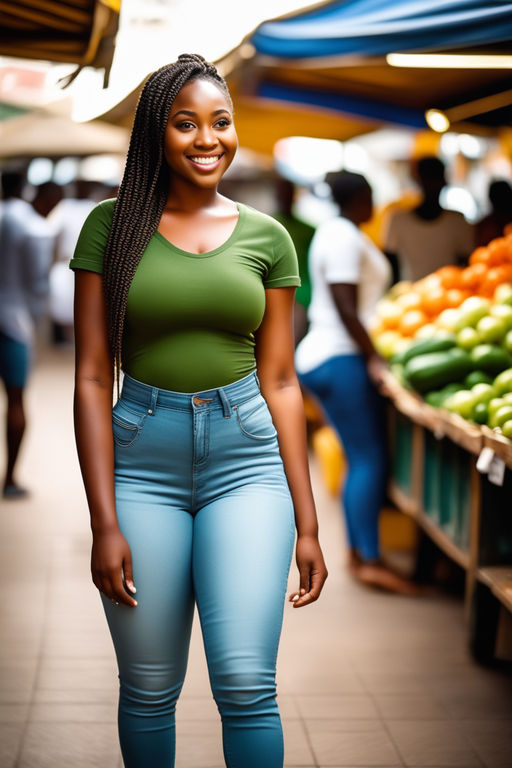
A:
{"points": [[280, 388], [345, 298], [111, 557]]}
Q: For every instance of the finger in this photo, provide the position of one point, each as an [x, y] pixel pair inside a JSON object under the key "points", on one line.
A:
{"points": [[294, 596], [120, 594], [304, 580], [128, 575], [317, 581]]}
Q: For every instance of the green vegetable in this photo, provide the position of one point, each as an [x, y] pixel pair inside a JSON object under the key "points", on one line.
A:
{"points": [[424, 346], [435, 398], [480, 413], [489, 358], [433, 370], [477, 377]]}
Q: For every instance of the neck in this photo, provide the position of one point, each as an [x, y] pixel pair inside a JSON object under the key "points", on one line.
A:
{"points": [[189, 198]]}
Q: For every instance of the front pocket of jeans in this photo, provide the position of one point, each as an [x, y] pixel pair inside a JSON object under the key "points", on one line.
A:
{"points": [[256, 422], [126, 425]]}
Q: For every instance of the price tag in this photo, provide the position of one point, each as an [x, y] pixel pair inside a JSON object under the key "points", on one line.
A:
{"points": [[485, 460], [496, 471]]}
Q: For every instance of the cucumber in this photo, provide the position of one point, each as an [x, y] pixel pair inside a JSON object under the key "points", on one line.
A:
{"points": [[489, 358], [424, 346], [435, 369]]}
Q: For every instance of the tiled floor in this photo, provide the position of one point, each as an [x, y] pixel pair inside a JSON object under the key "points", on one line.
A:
{"points": [[365, 679]]}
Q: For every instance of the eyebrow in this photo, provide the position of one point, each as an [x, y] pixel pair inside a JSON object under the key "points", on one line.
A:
{"points": [[190, 113]]}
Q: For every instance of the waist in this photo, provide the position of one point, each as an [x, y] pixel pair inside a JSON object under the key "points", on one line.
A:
{"points": [[221, 398]]}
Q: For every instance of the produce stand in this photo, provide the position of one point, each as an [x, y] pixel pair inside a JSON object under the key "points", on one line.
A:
{"points": [[435, 480]]}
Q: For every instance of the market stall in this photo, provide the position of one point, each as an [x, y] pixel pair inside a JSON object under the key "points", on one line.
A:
{"points": [[448, 338]]}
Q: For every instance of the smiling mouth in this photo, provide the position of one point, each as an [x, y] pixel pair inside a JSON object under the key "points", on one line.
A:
{"points": [[205, 161]]}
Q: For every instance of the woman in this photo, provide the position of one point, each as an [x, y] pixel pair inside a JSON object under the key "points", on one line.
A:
{"points": [[188, 498], [338, 363]]}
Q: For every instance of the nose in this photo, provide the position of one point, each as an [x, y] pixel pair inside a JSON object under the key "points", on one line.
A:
{"points": [[205, 137]]}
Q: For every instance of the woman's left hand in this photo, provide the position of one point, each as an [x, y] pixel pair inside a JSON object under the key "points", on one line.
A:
{"points": [[312, 570]]}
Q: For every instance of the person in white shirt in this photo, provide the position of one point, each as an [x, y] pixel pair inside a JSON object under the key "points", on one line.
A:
{"points": [[428, 237], [338, 364], [26, 249]]}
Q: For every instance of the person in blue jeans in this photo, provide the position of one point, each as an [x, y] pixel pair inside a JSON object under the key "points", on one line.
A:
{"points": [[198, 477], [338, 364]]}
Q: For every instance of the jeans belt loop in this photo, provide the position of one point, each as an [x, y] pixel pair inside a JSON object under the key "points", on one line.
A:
{"points": [[153, 402], [226, 408]]}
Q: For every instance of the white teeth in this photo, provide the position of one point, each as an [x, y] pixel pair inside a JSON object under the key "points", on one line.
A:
{"points": [[205, 160]]}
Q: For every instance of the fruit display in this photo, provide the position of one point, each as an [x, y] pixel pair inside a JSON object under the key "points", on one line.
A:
{"points": [[448, 336]]}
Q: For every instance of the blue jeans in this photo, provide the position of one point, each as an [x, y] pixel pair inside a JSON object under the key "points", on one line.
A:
{"points": [[356, 411], [203, 502]]}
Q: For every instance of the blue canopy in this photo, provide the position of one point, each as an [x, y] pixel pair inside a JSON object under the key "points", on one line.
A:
{"points": [[378, 27]]}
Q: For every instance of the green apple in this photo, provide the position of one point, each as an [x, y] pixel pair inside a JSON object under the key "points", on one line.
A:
{"points": [[472, 310], [495, 404], [491, 329], [506, 429], [504, 312], [502, 415], [507, 342], [468, 337], [503, 294], [503, 382], [483, 393], [461, 402]]}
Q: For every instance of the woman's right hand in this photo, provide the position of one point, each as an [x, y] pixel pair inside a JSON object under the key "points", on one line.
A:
{"points": [[111, 566]]}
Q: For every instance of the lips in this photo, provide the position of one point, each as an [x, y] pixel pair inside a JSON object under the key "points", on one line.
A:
{"points": [[205, 162]]}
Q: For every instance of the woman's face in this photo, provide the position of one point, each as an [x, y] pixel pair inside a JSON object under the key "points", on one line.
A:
{"points": [[200, 138]]}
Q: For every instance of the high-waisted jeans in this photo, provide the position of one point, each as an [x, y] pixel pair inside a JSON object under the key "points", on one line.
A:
{"points": [[203, 502], [356, 411]]}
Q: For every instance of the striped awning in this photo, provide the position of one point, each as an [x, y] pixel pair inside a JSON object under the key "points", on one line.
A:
{"points": [[80, 32]]}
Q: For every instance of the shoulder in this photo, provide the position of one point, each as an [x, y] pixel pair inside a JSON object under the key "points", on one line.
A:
{"points": [[337, 231], [103, 212], [262, 222]]}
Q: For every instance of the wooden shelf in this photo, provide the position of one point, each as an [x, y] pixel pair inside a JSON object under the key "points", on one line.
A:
{"points": [[443, 541], [499, 580], [404, 502]]}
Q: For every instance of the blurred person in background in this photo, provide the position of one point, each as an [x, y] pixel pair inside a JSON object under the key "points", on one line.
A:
{"points": [[493, 225], [338, 364], [67, 218], [427, 237], [26, 250], [301, 234], [193, 492]]}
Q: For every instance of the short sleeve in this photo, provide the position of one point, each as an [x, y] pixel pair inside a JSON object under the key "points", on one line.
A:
{"points": [[91, 242], [284, 270], [341, 252]]}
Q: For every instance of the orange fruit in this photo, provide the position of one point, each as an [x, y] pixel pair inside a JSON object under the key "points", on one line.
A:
{"points": [[495, 276], [449, 276], [480, 256], [412, 321], [472, 276], [409, 300], [434, 301], [455, 297], [499, 251]]}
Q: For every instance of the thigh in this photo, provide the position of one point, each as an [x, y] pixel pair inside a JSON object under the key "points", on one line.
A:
{"points": [[151, 640], [352, 403], [242, 549]]}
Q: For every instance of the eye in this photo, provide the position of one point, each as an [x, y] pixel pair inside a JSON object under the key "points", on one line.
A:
{"points": [[186, 125], [224, 122]]}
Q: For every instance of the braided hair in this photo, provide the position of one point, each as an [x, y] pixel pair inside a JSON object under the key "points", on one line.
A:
{"points": [[145, 186]]}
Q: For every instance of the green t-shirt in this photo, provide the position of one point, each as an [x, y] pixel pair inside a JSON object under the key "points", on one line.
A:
{"points": [[190, 318]]}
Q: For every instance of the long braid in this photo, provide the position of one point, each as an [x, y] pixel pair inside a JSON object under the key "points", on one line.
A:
{"points": [[145, 186]]}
